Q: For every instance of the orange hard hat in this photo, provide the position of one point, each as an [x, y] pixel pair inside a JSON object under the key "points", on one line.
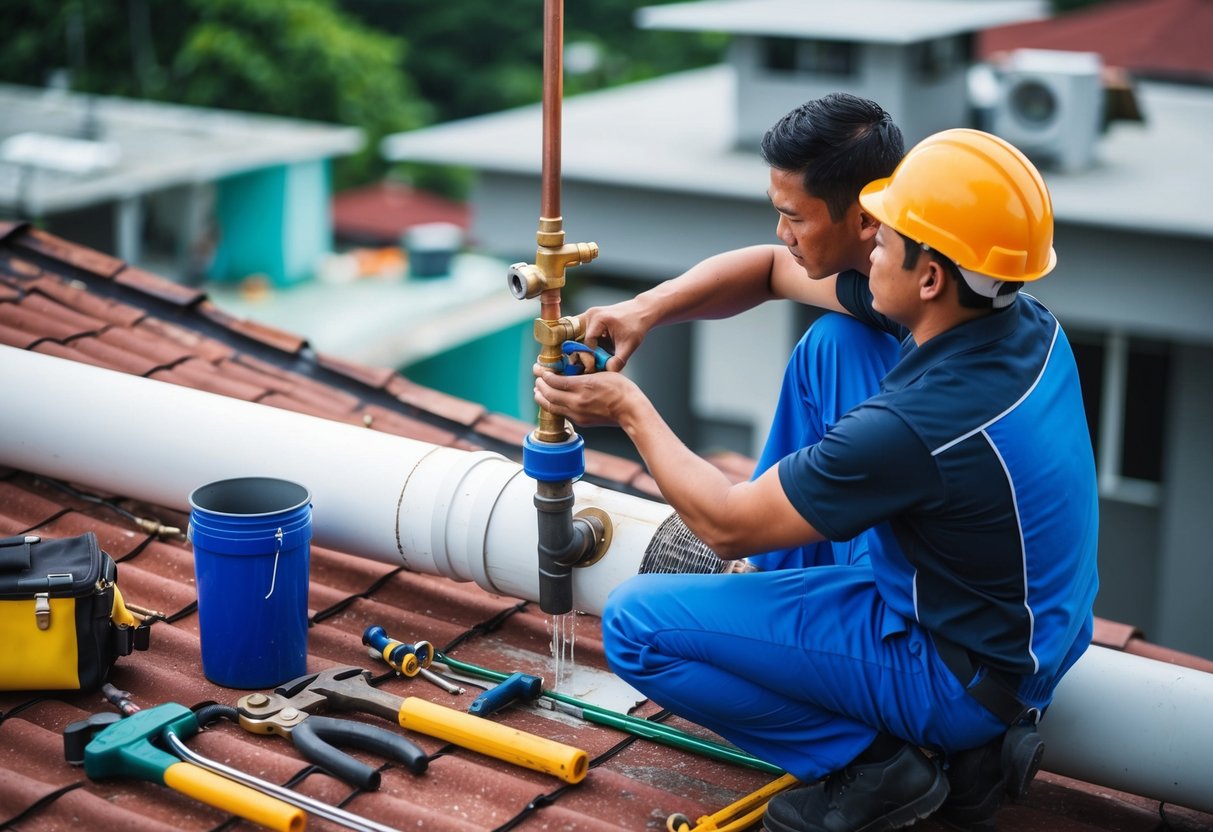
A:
{"points": [[974, 198]]}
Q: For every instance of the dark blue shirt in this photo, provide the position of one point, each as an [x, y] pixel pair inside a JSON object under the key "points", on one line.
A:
{"points": [[973, 470]]}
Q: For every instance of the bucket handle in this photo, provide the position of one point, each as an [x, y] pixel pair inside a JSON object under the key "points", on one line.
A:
{"points": [[277, 552]]}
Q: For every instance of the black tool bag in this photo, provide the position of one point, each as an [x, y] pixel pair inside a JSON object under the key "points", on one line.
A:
{"points": [[63, 622]]}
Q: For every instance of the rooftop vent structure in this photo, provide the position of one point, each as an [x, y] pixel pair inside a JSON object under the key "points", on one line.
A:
{"points": [[1051, 106]]}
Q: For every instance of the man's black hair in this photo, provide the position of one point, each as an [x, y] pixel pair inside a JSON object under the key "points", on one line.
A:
{"points": [[965, 295], [838, 143]]}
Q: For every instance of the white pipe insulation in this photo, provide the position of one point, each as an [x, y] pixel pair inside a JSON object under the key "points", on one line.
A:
{"points": [[468, 516], [1117, 720]]}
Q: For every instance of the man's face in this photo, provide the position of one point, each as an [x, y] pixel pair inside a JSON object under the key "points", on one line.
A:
{"points": [[894, 289], [823, 247]]}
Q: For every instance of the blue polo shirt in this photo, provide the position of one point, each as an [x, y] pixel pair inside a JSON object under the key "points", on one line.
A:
{"points": [[972, 472]]}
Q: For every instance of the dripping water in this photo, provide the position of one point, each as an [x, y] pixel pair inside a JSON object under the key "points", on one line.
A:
{"points": [[564, 633]]}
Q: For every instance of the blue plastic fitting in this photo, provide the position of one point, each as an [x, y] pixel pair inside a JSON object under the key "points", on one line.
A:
{"points": [[553, 461], [519, 687]]}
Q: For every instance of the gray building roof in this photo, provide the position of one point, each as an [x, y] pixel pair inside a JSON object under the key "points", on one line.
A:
{"points": [[139, 146], [871, 21], [676, 133]]}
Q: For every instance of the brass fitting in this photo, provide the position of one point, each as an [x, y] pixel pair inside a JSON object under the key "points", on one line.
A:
{"points": [[552, 258]]}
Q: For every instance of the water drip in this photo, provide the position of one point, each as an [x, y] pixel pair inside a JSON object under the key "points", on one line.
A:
{"points": [[564, 640]]}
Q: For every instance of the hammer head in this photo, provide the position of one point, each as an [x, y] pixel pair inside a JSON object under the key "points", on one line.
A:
{"points": [[340, 689], [125, 748]]}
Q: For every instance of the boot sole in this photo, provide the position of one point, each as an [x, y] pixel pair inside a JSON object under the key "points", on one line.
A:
{"points": [[1021, 756], [926, 805]]}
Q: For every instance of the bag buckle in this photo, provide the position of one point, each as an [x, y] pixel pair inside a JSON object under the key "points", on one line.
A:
{"points": [[42, 610]]}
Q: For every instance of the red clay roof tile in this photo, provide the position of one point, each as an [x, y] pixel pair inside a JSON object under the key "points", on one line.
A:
{"points": [[433, 401], [388, 421], [28, 318], [78, 298], [103, 354], [48, 245], [158, 287], [201, 375]]}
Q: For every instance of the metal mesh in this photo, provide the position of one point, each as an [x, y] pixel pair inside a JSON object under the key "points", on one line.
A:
{"points": [[674, 548]]}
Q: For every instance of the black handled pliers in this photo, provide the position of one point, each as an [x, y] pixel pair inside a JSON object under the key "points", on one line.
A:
{"points": [[316, 737]]}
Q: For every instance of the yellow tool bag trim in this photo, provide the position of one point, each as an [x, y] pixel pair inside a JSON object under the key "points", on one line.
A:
{"points": [[62, 619]]}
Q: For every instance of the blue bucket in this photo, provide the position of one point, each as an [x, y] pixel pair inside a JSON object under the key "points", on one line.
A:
{"points": [[251, 538]]}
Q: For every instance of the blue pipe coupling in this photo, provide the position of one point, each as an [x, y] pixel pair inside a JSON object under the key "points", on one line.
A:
{"points": [[553, 461]]}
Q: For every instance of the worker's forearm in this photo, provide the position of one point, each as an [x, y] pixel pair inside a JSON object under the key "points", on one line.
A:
{"points": [[693, 486], [719, 287]]}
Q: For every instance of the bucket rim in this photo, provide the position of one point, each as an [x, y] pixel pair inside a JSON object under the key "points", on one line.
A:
{"points": [[251, 481]]}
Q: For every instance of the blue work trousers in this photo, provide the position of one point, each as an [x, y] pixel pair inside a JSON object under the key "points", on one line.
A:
{"points": [[837, 364], [799, 667], [802, 663]]}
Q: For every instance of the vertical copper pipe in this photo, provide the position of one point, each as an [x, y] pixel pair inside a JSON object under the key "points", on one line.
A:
{"points": [[552, 428], [553, 92]]}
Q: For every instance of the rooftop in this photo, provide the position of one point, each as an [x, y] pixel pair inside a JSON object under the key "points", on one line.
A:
{"points": [[1151, 38], [665, 133], [61, 299], [871, 21], [125, 147]]}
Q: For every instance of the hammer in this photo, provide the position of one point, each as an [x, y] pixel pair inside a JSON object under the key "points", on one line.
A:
{"points": [[126, 748], [349, 689]]}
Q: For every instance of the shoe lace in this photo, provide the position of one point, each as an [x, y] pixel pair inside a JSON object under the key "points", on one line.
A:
{"points": [[837, 784]]}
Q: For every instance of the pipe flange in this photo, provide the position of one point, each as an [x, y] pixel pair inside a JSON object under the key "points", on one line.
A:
{"points": [[600, 520]]}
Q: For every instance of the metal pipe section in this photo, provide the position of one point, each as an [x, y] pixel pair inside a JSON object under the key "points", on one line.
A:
{"points": [[317, 807], [564, 542], [465, 515], [1118, 720], [553, 97]]}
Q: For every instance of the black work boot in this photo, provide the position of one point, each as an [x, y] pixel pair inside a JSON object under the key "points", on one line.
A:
{"points": [[980, 777], [863, 797]]}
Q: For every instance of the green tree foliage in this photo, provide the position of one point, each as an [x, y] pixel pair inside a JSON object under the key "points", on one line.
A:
{"points": [[298, 58], [478, 56]]}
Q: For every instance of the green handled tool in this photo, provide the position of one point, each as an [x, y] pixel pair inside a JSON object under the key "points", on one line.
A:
{"points": [[633, 725], [125, 749]]}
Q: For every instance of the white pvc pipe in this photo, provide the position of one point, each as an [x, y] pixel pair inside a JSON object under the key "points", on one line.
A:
{"points": [[1135, 724], [1117, 720], [468, 516]]}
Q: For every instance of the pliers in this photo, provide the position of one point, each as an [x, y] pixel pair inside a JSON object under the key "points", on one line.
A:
{"points": [[286, 712], [573, 368]]}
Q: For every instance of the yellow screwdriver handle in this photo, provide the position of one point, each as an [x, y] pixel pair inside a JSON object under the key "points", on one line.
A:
{"points": [[495, 740], [237, 798]]}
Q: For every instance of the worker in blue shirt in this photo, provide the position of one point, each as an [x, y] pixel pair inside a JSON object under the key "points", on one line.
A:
{"points": [[820, 154], [969, 477]]}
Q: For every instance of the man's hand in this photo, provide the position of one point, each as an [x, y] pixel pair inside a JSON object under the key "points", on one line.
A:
{"points": [[586, 400], [619, 327]]}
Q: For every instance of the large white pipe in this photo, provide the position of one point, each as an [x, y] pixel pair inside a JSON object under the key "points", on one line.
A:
{"points": [[1134, 724], [1117, 720], [465, 515]]}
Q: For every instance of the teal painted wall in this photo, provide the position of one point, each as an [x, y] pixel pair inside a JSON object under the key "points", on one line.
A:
{"points": [[494, 371], [274, 221]]}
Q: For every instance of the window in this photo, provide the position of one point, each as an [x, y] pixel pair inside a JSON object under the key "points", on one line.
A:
{"points": [[809, 57], [1125, 385], [943, 57]]}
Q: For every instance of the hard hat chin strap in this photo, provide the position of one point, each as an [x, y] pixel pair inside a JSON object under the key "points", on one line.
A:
{"points": [[1000, 292]]}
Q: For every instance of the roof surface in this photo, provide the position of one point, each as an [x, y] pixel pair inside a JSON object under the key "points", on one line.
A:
{"points": [[61, 299], [676, 133], [379, 214], [155, 146], [869, 21], [1159, 38]]}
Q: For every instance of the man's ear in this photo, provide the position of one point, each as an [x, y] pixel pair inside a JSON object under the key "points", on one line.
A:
{"points": [[868, 224], [933, 281]]}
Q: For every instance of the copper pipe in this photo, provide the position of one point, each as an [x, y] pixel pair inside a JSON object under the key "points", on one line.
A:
{"points": [[553, 92]]}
